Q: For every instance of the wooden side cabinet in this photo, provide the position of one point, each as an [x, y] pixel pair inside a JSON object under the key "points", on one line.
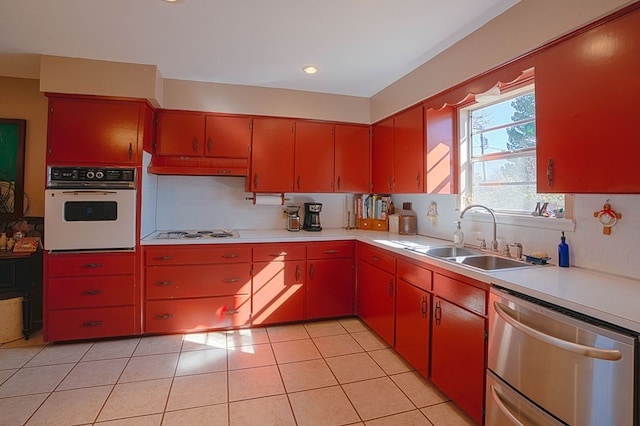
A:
{"points": [[21, 275]]}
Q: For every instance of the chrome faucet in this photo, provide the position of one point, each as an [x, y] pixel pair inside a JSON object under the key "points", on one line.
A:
{"points": [[494, 243]]}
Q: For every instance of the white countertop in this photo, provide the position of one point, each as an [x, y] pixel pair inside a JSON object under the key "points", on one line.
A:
{"points": [[603, 296]]}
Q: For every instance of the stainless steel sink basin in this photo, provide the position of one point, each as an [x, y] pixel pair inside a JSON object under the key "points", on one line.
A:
{"points": [[449, 252], [489, 263]]}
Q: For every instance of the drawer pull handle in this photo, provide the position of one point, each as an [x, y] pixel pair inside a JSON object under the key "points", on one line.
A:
{"points": [[231, 280], [230, 255], [375, 258], [91, 292], [331, 251], [298, 272], [437, 313], [163, 258], [231, 311], [164, 282], [164, 316], [93, 265], [92, 323], [390, 288], [423, 307], [282, 253]]}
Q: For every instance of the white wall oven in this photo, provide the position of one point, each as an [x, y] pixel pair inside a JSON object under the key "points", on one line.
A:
{"points": [[90, 208]]}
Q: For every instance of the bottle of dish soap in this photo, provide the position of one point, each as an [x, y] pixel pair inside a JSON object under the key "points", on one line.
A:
{"points": [[563, 252], [458, 237]]}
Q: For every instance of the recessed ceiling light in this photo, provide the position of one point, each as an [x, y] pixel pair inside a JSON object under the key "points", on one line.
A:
{"points": [[310, 69], [173, 1]]}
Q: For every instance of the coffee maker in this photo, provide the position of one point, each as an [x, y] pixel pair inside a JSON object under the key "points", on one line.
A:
{"points": [[312, 216], [293, 218]]}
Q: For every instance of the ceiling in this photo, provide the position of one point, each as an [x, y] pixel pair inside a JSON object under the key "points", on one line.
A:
{"points": [[360, 46]]}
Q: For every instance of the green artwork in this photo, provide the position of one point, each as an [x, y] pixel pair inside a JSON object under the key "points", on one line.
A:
{"points": [[12, 137]]}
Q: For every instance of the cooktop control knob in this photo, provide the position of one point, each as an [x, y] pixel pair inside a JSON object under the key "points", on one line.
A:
{"points": [[90, 174], [99, 174]]}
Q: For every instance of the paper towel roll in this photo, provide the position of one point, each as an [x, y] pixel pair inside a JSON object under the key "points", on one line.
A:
{"points": [[267, 200]]}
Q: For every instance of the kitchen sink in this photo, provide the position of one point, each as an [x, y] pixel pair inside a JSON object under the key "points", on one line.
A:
{"points": [[489, 262]]}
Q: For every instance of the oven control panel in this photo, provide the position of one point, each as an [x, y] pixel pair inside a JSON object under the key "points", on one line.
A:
{"points": [[91, 177]]}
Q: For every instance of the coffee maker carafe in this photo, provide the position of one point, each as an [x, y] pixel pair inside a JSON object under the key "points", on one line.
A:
{"points": [[293, 218], [312, 216]]}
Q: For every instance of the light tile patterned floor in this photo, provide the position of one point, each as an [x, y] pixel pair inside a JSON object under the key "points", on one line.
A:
{"points": [[334, 372]]}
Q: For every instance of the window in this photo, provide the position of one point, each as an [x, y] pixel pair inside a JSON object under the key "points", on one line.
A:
{"points": [[498, 155]]}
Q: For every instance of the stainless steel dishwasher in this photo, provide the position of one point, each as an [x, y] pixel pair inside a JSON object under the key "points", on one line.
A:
{"points": [[548, 365]]}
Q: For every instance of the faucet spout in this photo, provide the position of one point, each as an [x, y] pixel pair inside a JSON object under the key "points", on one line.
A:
{"points": [[494, 242]]}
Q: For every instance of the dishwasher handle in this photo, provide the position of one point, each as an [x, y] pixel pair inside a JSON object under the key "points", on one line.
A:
{"points": [[501, 405], [589, 351]]}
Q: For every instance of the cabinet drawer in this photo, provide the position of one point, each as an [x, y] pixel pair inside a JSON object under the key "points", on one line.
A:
{"points": [[414, 274], [72, 265], [91, 323], [460, 293], [379, 258], [172, 316], [280, 252], [86, 292], [175, 255], [332, 250], [171, 282]]}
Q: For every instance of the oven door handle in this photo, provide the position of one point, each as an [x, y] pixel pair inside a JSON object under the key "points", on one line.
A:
{"points": [[498, 400], [589, 351], [89, 192]]}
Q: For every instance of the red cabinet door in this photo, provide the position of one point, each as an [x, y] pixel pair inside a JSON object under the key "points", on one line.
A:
{"points": [[180, 133], [413, 315], [376, 301], [352, 159], [458, 354], [409, 151], [441, 158], [313, 157], [272, 155], [382, 153], [94, 131], [329, 288], [587, 138], [227, 136], [278, 292]]}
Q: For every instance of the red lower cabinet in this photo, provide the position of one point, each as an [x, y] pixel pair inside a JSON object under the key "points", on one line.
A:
{"points": [[196, 288], [458, 345], [376, 289], [413, 316], [278, 292], [330, 276], [90, 296]]}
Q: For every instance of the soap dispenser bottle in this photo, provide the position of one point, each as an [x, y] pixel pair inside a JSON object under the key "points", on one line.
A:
{"points": [[458, 236], [563, 252]]}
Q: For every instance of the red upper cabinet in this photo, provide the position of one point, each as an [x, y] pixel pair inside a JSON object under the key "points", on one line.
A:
{"points": [[227, 136], [398, 153], [352, 158], [272, 155], [441, 158], [382, 157], [180, 133], [313, 157], [409, 151], [586, 120], [91, 130]]}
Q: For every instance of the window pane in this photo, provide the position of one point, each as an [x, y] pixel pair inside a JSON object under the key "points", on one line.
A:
{"points": [[505, 171], [518, 198], [507, 139], [505, 112]]}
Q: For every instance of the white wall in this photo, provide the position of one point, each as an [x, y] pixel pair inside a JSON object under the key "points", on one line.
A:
{"points": [[210, 202]]}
